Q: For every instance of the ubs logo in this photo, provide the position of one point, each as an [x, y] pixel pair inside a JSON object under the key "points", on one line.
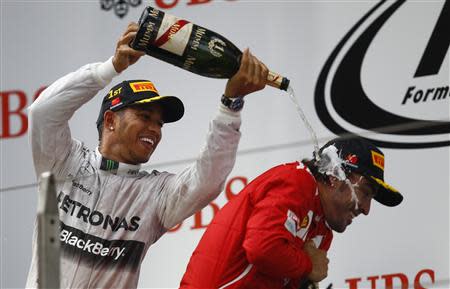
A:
{"points": [[388, 77]]}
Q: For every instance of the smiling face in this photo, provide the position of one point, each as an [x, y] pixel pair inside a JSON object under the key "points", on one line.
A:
{"points": [[342, 201], [132, 134]]}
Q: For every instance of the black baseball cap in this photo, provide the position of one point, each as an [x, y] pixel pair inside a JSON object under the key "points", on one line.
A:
{"points": [[140, 93], [361, 156]]}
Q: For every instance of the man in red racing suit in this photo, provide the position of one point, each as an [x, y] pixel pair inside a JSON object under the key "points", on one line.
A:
{"points": [[276, 232], [255, 241]]}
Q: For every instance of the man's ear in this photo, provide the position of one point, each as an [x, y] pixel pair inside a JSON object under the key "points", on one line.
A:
{"points": [[109, 120]]}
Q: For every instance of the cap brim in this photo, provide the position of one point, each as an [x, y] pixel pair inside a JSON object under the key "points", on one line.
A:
{"points": [[172, 106], [386, 194]]}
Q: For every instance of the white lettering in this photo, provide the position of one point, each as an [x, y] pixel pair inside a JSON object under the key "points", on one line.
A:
{"points": [[80, 243], [88, 245]]}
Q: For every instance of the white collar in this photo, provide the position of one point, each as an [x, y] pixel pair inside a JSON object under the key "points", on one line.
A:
{"points": [[114, 167]]}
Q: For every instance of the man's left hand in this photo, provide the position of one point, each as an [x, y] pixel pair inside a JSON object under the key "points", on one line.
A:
{"points": [[125, 55]]}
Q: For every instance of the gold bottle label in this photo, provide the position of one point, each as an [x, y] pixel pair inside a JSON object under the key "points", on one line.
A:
{"points": [[274, 79]]}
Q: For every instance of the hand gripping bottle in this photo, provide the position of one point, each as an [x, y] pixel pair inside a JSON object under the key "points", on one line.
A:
{"points": [[191, 47]]}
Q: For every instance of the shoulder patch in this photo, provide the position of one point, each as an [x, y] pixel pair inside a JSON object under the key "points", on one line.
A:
{"points": [[292, 222], [296, 227]]}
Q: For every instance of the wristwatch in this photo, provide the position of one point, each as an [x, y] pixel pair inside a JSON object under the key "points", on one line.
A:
{"points": [[234, 104]]}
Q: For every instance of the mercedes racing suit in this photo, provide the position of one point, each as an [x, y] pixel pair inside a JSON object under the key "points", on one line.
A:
{"points": [[111, 214], [257, 239]]}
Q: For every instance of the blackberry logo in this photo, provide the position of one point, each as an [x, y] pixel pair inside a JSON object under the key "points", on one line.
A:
{"points": [[99, 252], [81, 187], [120, 7]]}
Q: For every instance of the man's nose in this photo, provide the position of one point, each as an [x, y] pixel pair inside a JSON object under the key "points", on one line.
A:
{"points": [[365, 206], [155, 127]]}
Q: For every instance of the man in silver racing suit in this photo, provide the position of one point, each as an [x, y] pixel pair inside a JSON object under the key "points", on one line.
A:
{"points": [[110, 210]]}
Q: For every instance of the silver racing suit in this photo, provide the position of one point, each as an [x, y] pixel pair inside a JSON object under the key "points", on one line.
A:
{"points": [[111, 214]]}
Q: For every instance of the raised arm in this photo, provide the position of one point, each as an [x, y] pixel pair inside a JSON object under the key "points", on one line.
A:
{"points": [[200, 183], [49, 131]]}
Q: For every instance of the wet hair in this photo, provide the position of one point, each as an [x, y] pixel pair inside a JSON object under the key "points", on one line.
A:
{"points": [[314, 169], [312, 165]]}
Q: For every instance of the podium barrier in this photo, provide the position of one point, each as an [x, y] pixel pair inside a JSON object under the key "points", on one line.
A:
{"points": [[48, 233]]}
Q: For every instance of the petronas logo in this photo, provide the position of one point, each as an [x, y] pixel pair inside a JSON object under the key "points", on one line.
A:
{"points": [[120, 7]]}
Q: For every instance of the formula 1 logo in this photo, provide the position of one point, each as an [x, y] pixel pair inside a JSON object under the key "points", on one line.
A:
{"points": [[388, 78], [120, 7]]}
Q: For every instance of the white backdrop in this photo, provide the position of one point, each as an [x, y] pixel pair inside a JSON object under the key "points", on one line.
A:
{"points": [[43, 40]]}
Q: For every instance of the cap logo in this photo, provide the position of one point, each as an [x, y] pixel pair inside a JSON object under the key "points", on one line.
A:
{"points": [[113, 93], [115, 102], [353, 159], [142, 86], [378, 160]]}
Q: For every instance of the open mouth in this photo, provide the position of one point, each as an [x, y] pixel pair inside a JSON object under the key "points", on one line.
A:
{"points": [[148, 142]]}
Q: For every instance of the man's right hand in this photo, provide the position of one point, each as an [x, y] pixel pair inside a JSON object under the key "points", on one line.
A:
{"points": [[125, 55], [319, 262], [251, 77]]}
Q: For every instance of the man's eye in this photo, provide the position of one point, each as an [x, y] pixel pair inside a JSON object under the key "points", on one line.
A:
{"points": [[371, 193]]}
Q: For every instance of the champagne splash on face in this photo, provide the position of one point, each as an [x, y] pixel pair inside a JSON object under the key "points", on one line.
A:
{"points": [[328, 161], [352, 190], [311, 131], [331, 164]]}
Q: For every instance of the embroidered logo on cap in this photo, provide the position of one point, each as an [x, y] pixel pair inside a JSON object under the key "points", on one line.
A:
{"points": [[378, 160], [142, 86], [113, 93], [353, 159], [115, 102]]}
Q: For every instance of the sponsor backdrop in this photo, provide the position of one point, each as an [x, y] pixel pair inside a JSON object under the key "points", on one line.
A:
{"points": [[377, 68]]}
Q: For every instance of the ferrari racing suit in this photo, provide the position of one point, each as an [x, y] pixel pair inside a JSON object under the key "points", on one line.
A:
{"points": [[257, 239]]}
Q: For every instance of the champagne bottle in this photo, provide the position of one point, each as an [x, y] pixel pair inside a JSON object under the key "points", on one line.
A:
{"points": [[191, 47]]}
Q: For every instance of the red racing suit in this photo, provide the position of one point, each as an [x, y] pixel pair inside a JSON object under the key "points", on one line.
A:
{"points": [[256, 240]]}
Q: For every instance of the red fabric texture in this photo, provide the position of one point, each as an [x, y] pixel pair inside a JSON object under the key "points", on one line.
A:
{"points": [[262, 229]]}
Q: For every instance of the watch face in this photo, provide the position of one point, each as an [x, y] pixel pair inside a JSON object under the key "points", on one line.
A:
{"points": [[237, 104]]}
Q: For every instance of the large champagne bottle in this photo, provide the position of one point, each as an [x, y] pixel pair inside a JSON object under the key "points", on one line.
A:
{"points": [[191, 47]]}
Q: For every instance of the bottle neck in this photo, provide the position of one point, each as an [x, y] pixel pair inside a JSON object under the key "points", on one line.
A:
{"points": [[277, 81]]}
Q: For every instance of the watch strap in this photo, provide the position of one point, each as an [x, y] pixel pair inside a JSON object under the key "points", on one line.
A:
{"points": [[234, 104]]}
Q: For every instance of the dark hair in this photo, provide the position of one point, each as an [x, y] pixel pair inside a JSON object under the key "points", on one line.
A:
{"points": [[100, 131], [314, 169]]}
